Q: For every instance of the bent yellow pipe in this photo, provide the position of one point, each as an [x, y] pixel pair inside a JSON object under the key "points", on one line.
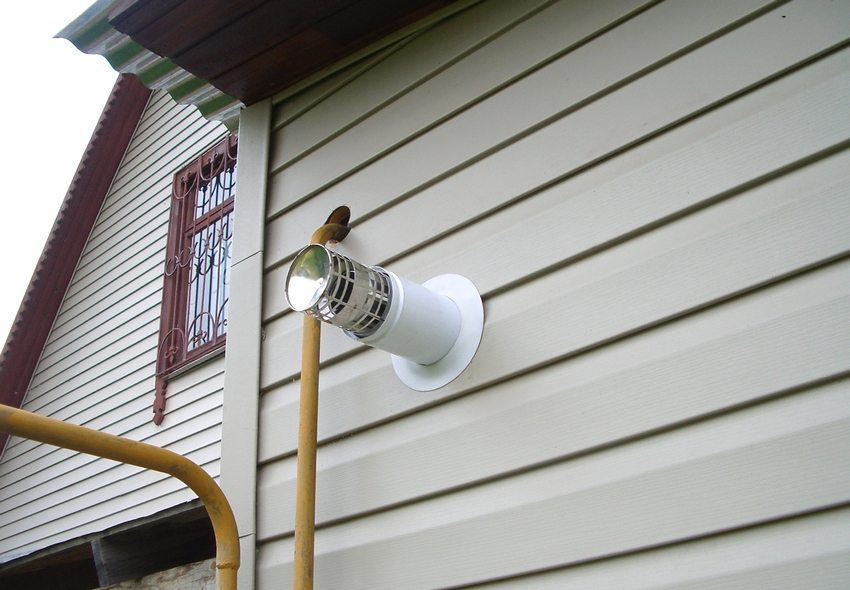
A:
{"points": [[93, 442], [334, 229]]}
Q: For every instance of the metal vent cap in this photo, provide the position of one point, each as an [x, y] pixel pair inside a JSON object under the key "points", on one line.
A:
{"points": [[338, 290]]}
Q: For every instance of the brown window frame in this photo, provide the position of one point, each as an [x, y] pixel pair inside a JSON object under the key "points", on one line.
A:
{"points": [[188, 229]]}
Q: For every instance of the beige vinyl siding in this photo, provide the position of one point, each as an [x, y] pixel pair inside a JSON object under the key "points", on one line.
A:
{"points": [[654, 200], [97, 367], [786, 555]]}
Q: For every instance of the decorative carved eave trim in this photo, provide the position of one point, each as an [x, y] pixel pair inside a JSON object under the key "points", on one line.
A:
{"points": [[67, 238]]}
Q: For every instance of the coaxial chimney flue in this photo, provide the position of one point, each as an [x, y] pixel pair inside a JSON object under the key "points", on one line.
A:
{"points": [[432, 330]]}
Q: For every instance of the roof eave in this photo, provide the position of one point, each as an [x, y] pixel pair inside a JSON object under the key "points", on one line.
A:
{"points": [[91, 33]]}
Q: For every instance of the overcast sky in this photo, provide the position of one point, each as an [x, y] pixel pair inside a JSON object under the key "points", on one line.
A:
{"points": [[52, 95]]}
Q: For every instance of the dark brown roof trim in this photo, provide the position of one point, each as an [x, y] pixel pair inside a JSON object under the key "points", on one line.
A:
{"points": [[68, 237], [253, 49]]}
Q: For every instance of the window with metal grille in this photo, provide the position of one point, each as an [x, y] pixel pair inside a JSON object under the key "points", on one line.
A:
{"points": [[197, 267]]}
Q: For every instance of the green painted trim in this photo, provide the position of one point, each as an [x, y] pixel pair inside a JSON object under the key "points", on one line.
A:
{"points": [[91, 34], [157, 70], [216, 104], [124, 53], [186, 88]]}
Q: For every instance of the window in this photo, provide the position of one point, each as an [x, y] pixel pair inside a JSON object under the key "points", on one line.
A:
{"points": [[197, 267]]}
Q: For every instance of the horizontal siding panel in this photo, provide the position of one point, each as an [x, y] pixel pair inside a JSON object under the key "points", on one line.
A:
{"points": [[107, 358], [296, 102], [694, 481], [151, 228], [350, 395], [145, 214], [158, 106], [154, 180], [136, 286], [96, 478], [788, 224], [91, 514], [807, 552], [351, 392], [602, 127], [160, 498], [531, 100], [154, 208], [176, 142], [150, 247], [126, 413], [122, 217], [363, 391], [99, 377], [97, 368], [173, 120], [338, 102], [44, 502], [129, 215], [148, 275], [127, 205], [89, 404], [182, 124], [157, 172], [95, 355], [137, 216], [619, 392], [104, 484], [72, 405], [202, 377], [91, 476], [87, 481], [132, 384], [103, 334], [427, 66], [705, 159], [172, 145]]}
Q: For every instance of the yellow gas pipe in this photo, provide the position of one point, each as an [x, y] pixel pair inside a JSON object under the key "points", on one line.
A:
{"points": [[93, 442], [334, 229]]}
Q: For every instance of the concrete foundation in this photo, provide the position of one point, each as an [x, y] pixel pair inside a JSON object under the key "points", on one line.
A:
{"points": [[194, 576]]}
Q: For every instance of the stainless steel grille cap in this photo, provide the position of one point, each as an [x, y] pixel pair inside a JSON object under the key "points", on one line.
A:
{"points": [[338, 290]]}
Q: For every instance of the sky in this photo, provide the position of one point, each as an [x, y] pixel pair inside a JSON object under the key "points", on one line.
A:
{"points": [[52, 96]]}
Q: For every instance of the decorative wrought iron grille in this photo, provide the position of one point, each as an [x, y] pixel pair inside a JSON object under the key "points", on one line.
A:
{"points": [[197, 267]]}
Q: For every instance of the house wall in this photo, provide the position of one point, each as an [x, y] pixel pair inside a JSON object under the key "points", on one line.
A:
{"points": [[97, 367], [653, 200]]}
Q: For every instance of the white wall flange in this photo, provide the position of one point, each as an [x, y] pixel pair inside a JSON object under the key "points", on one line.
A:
{"points": [[465, 296]]}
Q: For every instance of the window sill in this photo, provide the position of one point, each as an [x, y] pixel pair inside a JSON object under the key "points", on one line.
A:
{"points": [[196, 362]]}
